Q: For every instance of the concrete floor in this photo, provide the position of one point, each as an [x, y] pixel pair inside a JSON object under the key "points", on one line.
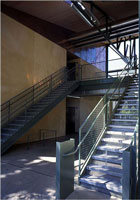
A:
{"points": [[30, 174]]}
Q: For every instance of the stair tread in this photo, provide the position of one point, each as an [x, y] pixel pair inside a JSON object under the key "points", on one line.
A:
{"points": [[105, 182], [112, 148], [14, 124], [108, 169], [130, 100], [120, 133], [117, 140], [122, 126], [125, 114], [128, 104], [108, 158], [126, 109], [130, 97], [125, 120]]}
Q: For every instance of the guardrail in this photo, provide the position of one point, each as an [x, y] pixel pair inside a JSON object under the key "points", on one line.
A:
{"points": [[93, 128], [20, 103]]}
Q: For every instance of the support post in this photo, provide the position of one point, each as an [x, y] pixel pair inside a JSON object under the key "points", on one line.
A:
{"points": [[64, 169], [106, 61], [126, 175], [139, 118]]}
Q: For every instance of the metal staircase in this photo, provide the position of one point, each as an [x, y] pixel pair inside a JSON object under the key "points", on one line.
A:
{"points": [[104, 171], [20, 113], [105, 135]]}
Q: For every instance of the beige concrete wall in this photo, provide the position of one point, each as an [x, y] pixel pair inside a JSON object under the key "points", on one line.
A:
{"points": [[54, 120], [86, 106], [27, 57]]}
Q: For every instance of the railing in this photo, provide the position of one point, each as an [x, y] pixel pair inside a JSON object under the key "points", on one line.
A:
{"points": [[93, 128], [89, 72], [130, 168], [20, 103]]}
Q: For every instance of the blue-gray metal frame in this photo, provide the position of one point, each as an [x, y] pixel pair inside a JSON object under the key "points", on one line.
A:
{"points": [[106, 71]]}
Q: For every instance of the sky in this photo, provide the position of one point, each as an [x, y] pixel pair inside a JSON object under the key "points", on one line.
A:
{"points": [[119, 64]]}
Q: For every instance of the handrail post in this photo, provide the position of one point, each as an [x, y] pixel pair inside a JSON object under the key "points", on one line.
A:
{"points": [[79, 173], [25, 110], [80, 72], [33, 95], [9, 111], [50, 84]]}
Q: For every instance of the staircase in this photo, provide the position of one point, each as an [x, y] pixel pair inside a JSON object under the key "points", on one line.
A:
{"points": [[104, 169], [20, 113]]}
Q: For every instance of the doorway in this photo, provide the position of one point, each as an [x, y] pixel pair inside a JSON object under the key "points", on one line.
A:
{"points": [[70, 120]]}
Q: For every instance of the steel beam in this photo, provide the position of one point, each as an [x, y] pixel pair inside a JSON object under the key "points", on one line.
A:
{"points": [[102, 39], [106, 61], [113, 30]]}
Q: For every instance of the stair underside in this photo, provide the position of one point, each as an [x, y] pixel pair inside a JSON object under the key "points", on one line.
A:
{"points": [[11, 134]]}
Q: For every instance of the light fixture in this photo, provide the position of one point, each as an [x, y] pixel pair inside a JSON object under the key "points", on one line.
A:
{"points": [[84, 12], [79, 3]]}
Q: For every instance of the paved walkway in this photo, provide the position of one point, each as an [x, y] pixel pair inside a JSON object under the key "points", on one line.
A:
{"points": [[30, 174]]}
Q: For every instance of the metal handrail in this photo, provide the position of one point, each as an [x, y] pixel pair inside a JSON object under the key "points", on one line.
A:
{"points": [[102, 100], [48, 77], [21, 102]]}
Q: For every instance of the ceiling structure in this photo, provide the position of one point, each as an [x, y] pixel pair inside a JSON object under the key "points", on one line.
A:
{"points": [[72, 31]]}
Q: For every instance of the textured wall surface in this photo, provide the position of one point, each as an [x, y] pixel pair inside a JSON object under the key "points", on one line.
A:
{"points": [[86, 106], [27, 57]]}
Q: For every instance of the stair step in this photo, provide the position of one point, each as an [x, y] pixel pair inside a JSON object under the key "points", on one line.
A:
{"points": [[6, 134], [120, 133], [129, 104], [114, 171], [127, 109], [131, 100], [132, 89], [108, 158], [124, 120], [133, 83], [118, 126], [125, 114], [111, 148], [20, 125], [129, 97], [116, 140], [133, 86], [25, 118], [105, 182], [9, 129], [132, 94], [37, 106], [33, 111]]}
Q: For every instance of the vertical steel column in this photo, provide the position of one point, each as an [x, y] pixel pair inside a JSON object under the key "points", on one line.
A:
{"points": [[139, 118], [106, 70]]}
